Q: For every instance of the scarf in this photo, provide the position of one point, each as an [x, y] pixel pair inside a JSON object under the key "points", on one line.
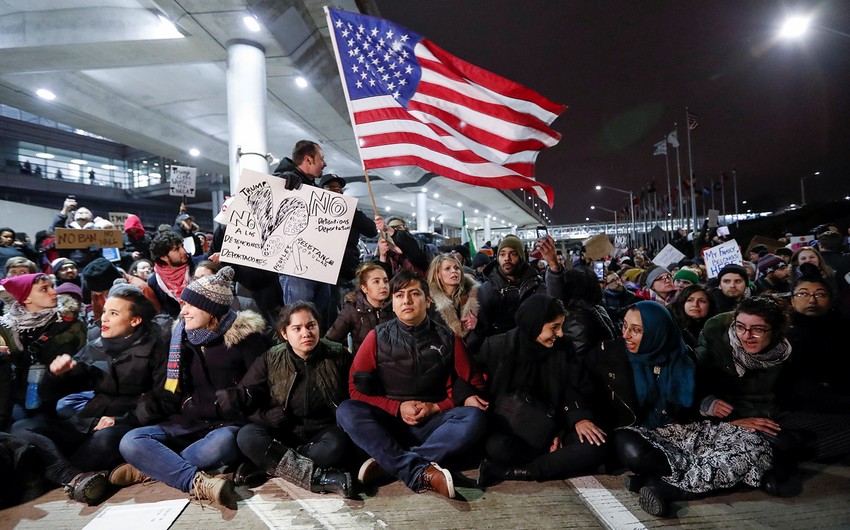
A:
{"points": [[663, 371], [19, 320], [172, 280], [197, 337], [756, 361], [121, 344]]}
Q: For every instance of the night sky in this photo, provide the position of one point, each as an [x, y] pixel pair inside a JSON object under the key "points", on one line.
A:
{"points": [[775, 110]]}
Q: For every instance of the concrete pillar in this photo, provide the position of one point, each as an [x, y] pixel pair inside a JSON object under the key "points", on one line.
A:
{"points": [[421, 212], [487, 236], [246, 108]]}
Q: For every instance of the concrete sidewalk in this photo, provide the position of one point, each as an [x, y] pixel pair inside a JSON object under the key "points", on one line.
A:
{"points": [[587, 502]]}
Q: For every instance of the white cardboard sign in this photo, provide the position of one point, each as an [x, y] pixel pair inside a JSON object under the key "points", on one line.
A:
{"points": [[799, 241], [721, 255], [181, 181], [300, 232], [668, 255]]}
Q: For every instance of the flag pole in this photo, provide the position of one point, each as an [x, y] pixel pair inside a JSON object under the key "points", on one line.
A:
{"points": [[681, 211], [371, 195], [735, 188], [669, 197], [691, 173]]}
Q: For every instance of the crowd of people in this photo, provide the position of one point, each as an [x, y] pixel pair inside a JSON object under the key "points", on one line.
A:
{"points": [[169, 365]]}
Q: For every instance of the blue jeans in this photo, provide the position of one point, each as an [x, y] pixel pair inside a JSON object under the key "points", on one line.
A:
{"points": [[145, 449], [403, 450], [296, 288]]}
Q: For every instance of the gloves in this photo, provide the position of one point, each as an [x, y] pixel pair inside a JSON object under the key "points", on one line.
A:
{"points": [[293, 181]]}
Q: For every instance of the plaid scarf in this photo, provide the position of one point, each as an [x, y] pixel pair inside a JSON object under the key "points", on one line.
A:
{"points": [[196, 337], [754, 361]]}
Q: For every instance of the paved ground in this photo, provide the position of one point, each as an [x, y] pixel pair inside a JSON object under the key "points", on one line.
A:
{"points": [[586, 502]]}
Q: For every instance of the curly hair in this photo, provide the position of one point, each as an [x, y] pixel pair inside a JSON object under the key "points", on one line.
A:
{"points": [[164, 243], [768, 307]]}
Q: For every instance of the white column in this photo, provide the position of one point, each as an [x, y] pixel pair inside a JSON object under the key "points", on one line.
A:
{"points": [[246, 108], [421, 212], [487, 236]]}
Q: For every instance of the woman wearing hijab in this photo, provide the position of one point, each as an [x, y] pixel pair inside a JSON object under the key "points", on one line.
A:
{"points": [[211, 349], [542, 428], [125, 366], [674, 460]]}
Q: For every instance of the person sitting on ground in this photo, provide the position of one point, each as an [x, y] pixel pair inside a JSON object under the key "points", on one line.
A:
{"points": [[408, 383], [542, 428], [773, 275], [673, 459], [240, 303], [455, 295], [126, 368], [296, 387], [211, 348], [691, 310], [34, 334], [363, 308], [732, 287]]}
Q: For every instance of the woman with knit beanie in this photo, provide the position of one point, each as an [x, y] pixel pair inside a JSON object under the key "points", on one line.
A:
{"points": [[34, 334], [211, 349], [125, 366]]}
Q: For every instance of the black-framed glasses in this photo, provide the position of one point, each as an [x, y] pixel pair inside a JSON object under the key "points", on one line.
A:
{"points": [[754, 331], [816, 296]]}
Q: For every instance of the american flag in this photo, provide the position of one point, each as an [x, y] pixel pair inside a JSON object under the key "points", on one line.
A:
{"points": [[413, 104]]}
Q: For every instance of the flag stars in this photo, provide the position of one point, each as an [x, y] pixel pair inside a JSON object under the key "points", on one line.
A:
{"points": [[391, 86], [390, 34], [387, 57], [350, 43], [345, 33], [396, 45], [408, 70], [360, 59], [371, 82], [359, 84], [393, 66], [360, 28], [363, 75], [404, 38], [396, 94], [385, 77], [381, 70], [354, 68], [374, 32], [396, 74], [338, 23]]}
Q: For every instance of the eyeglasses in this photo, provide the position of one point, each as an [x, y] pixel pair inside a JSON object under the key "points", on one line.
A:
{"points": [[816, 296], [612, 281], [664, 278], [632, 330], [754, 331]]}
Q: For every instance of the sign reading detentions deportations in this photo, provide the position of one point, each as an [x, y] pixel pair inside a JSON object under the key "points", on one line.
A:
{"points": [[300, 232]]}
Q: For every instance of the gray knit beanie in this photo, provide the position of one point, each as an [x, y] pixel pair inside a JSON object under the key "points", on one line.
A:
{"points": [[213, 293]]}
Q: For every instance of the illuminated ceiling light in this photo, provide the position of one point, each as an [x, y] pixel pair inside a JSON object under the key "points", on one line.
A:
{"points": [[459, 204], [397, 173], [194, 151], [424, 190], [301, 82], [436, 195], [156, 164], [251, 23], [46, 156], [476, 210], [598, 187], [743, 202], [387, 208], [78, 161], [413, 214], [45, 94], [433, 218], [794, 27], [108, 166]]}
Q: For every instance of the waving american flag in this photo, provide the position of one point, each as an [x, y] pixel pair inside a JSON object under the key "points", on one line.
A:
{"points": [[413, 104]]}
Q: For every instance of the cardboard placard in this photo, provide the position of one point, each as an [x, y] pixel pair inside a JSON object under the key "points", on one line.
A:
{"points": [[118, 219], [73, 238], [299, 232], [797, 242], [721, 255], [771, 244], [668, 256], [598, 246], [181, 180]]}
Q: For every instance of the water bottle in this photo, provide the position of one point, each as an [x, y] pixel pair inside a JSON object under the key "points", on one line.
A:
{"points": [[34, 377]]}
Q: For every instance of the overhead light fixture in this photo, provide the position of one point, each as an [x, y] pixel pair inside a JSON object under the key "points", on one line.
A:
{"points": [[301, 82], [251, 23], [155, 176], [46, 156], [108, 166], [436, 195], [45, 94], [397, 173], [78, 161], [387, 208], [459, 204], [794, 27], [424, 190], [194, 151]]}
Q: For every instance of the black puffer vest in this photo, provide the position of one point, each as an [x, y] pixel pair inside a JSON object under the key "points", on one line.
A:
{"points": [[414, 363]]}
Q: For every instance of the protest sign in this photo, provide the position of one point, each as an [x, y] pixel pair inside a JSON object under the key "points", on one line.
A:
{"points": [[72, 238], [721, 255], [598, 246], [722, 231], [181, 180], [713, 216], [118, 219], [771, 244], [668, 256], [299, 232], [796, 242]]}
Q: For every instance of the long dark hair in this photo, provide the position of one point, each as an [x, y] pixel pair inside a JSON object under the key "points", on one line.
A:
{"points": [[677, 308]]}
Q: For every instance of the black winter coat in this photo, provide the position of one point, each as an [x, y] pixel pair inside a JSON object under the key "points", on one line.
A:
{"points": [[358, 317]]}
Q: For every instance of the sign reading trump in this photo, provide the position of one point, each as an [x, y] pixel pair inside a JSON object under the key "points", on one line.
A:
{"points": [[296, 232]]}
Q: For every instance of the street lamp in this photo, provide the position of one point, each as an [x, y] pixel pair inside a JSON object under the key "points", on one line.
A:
{"points": [[803, 186], [631, 206], [611, 211], [795, 27]]}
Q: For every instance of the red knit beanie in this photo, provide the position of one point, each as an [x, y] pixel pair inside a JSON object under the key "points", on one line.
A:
{"points": [[20, 286]]}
